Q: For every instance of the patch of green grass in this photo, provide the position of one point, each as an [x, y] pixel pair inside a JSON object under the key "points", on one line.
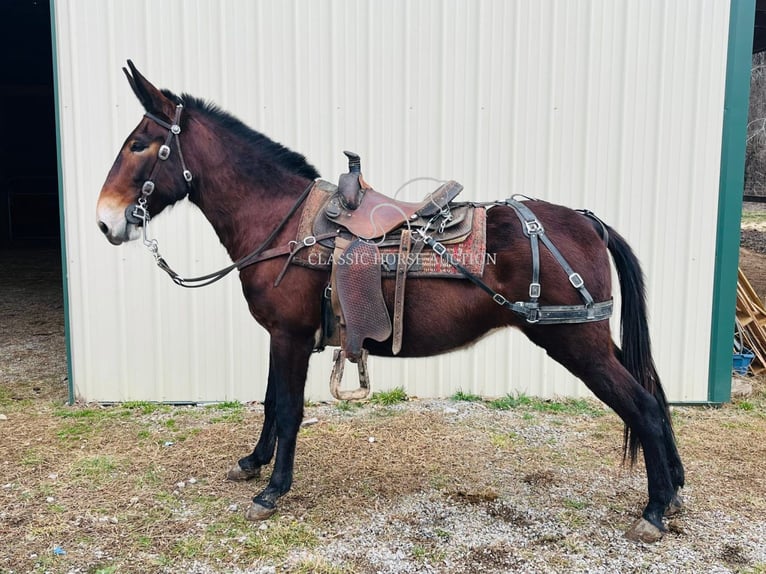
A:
{"points": [[317, 565], [574, 503], [466, 397], [343, 406], [569, 406], [281, 536], [387, 398], [562, 406], [348, 406], [229, 417], [753, 217], [95, 469], [5, 397], [77, 430], [226, 406], [231, 412], [144, 541], [151, 477], [510, 401], [32, 458], [573, 519], [90, 414], [285, 535], [745, 406], [442, 534]]}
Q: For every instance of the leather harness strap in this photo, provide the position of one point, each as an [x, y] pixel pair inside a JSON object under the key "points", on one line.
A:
{"points": [[256, 256], [533, 229], [138, 214], [532, 310], [402, 265]]}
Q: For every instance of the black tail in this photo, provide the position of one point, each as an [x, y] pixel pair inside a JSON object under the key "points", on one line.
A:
{"points": [[636, 354]]}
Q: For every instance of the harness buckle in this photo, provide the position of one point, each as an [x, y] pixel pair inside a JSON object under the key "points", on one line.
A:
{"points": [[309, 241], [439, 248], [187, 176], [534, 227], [148, 187], [499, 299], [533, 315], [164, 152], [176, 129], [576, 280], [534, 290]]}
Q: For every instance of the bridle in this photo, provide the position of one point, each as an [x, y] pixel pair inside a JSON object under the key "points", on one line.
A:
{"points": [[138, 214]]}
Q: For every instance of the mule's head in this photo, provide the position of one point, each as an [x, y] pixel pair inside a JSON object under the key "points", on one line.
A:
{"points": [[140, 159]]}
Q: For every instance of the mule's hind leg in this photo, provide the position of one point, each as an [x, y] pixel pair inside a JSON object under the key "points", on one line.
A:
{"points": [[677, 474], [249, 467], [586, 350]]}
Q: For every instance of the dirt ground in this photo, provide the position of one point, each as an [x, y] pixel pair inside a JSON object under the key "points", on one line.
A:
{"points": [[422, 486], [752, 253]]}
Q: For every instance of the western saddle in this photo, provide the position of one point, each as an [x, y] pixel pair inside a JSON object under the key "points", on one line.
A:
{"points": [[368, 221]]}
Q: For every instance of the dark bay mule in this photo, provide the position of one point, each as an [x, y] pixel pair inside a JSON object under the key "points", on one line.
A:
{"points": [[246, 184]]}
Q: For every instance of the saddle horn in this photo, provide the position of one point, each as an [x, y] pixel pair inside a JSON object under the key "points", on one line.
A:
{"points": [[349, 184]]}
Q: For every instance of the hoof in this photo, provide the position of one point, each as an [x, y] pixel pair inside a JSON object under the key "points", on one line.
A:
{"points": [[258, 512], [238, 474], [643, 531], [676, 506]]}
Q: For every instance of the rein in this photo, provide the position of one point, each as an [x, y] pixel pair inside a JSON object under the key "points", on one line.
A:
{"points": [[138, 214]]}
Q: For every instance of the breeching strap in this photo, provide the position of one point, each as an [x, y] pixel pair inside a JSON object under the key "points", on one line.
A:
{"points": [[532, 310]]}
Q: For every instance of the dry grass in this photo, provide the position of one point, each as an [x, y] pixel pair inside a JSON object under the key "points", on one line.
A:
{"points": [[104, 484], [526, 485]]}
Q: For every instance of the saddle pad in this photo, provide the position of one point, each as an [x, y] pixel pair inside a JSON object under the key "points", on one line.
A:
{"points": [[467, 243], [357, 283], [470, 251]]}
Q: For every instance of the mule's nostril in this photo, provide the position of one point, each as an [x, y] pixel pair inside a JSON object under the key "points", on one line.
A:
{"points": [[103, 227]]}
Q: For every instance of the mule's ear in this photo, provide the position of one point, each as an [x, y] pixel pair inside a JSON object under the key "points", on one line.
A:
{"points": [[153, 100]]}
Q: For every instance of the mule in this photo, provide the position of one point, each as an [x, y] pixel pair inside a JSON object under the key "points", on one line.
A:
{"points": [[249, 187]]}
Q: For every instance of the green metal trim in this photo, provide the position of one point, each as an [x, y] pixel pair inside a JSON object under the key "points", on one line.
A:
{"points": [[731, 184], [64, 270]]}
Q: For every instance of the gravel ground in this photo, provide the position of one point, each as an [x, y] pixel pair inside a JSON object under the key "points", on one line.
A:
{"points": [[424, 486]]}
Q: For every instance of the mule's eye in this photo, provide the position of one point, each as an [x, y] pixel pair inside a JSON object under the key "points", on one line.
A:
{"points": [[137, 146]]}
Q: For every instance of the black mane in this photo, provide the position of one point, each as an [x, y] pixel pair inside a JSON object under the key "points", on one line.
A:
{"points": [[291, 161]]}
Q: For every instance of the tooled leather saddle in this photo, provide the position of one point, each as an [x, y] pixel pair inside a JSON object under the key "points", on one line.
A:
{"points": [[364, 236]]}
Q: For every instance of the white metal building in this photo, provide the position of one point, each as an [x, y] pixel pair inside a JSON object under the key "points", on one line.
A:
{"points": [[632, 109]]}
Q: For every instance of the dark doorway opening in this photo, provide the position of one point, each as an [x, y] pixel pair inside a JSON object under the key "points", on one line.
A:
{"points": [[33, 362], [29, 201]]}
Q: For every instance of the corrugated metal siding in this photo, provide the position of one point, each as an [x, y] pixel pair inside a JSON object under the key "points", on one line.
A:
{"points": [[614, 106]]}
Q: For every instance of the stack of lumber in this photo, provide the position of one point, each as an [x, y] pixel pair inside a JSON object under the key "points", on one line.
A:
{"points": [[751, 322]]}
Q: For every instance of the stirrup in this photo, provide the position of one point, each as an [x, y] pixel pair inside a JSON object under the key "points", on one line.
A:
{"points": [[339, 356]]}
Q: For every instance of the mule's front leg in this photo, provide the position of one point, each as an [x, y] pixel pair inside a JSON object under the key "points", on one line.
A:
{"points": [[289, 362], [249, 467]]}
